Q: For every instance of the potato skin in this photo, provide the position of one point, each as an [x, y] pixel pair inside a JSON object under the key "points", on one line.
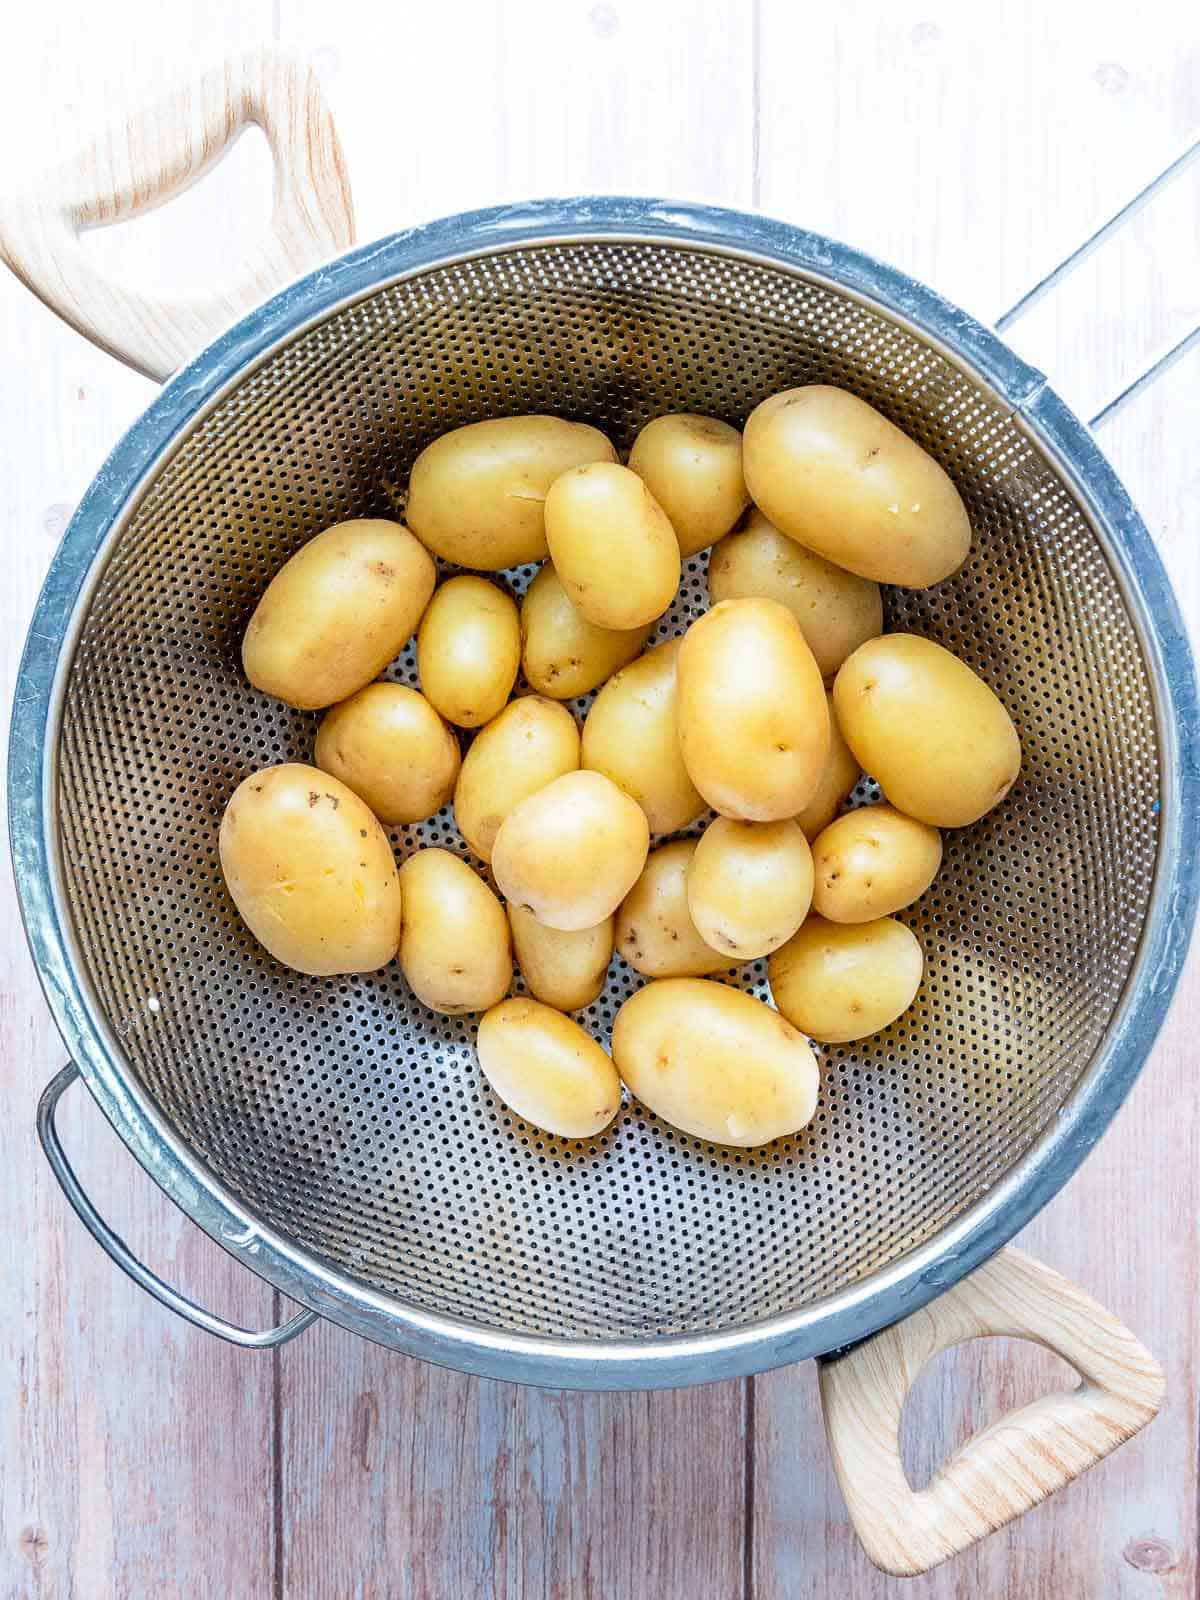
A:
{"points": [[564, 654], [749, 885], [469, 650], [654, 930], [548, 1069], [832, 473], [929, 730], [563, 970], [838, 982], [389, 745], [692, 466], [476, 495], [532, 742], [337, 612], [871, 862], [715, 1062], [454, 946], [612, 545], [838, 777], [311, 871]]}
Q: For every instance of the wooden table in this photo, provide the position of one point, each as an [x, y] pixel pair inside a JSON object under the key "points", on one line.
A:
{"points": [[972, 145]]}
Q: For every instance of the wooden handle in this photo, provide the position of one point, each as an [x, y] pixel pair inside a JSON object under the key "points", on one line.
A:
{"points": [[1007, 1467], [156, 155]]}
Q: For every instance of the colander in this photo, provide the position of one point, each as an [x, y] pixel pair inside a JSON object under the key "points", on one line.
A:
{"points": [[336, 1136]]}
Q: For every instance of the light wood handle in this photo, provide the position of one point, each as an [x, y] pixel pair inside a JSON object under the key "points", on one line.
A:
{"points": [[1007, 1467], [155, 155]]}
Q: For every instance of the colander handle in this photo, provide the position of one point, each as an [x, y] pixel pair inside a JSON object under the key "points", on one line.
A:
{"points": [[1008, 1467], [157, 154], [112, 1243]]}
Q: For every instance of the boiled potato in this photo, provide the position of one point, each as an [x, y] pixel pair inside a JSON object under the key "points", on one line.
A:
{"points": [[564, 969], [749, 885], [693, 468], [842, 981], [389, 745], [837, 611], [333, 616], [612, 546], [468, 651], [929, 730], [547, 1069], [311, 871], [531, 742], [753, 724], [632, 736], [564, 654], [715, 1062], [872, 862], [454, 946], [654, 929], [571, 852], [840, 479], [838, 777], [476, 496]]}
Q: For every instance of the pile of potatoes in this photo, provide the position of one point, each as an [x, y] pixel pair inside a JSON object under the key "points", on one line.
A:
{"points": [[766, 712]]}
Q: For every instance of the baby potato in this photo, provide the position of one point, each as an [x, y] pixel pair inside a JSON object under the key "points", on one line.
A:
{"points": [[564, 654], [613, 548], [570, 853], [631, 735], [837, 611], [333, 616], [476, 496], [872, 862], [693, 468], [547, 1069], [311, 871], [715, 1062], [749, 885], [840, 479], [389, 745], [454, 945], [753, 724], [929, 730], [842, 981], [841, 772], [531, 742], [654, 928], [468, 651], [565, 970]]}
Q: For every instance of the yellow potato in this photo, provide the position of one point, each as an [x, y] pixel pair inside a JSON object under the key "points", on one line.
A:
{"points": [[753, 723], [693, 468], [749, 885], [454, 946], [468, 651], [613, 548], [837, 611], [631, 735], [564, 654], [531, 742], [715, 1062], [929, 730], [333, 616], [571, 852], [311, 871], [389, 745], [654, 929], [842, 981], [839, 775], [566, 970], [547, 1069], [872, 862], [840, 479], [476, 496]]}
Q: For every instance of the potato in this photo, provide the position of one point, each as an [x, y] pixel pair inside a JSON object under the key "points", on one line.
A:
{"points": [[836, 610], [571, 852], [840, 479], [454, 946], [531, 742], [715, 1062], [841, 772], [749, 886], [311, 871], [654, 928], [547, 1069], [842, 981], [476, 496], [928, 730], [693, 468], [613, 548], [631, 735], [566, 970], [389, 745], [753, 723], [564, 654], [872, 862], [333, 616], [468, 651]]}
